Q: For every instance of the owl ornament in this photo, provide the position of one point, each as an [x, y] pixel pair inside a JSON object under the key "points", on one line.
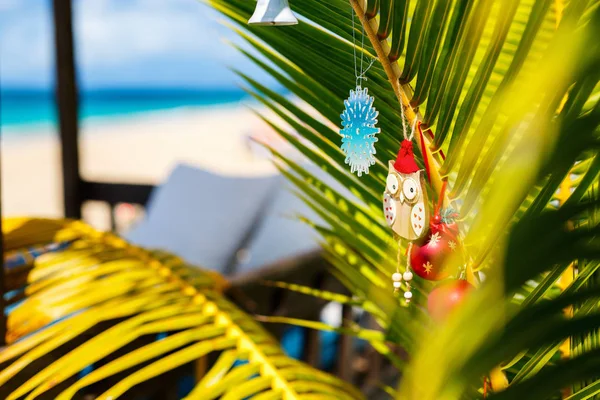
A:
{"points": [[405, 204], [405, 207]]}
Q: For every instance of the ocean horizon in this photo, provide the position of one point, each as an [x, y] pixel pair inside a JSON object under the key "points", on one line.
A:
{"points": [[24, 110]]}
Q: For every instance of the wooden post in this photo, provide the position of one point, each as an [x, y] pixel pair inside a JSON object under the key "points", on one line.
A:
{"points": [[2, 274], [66, 97], [344, 363], [311, 353]]}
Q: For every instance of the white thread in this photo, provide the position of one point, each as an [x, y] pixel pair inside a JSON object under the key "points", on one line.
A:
{"points": [[398, 264], [408, 252], [412, 129], [359, 77]]}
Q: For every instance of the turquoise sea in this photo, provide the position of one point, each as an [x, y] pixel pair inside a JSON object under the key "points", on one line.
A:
{"points": [[23, 109]]}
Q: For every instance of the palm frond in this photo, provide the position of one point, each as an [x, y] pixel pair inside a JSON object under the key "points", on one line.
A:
{"points": [[92, 302], [507, 94]]}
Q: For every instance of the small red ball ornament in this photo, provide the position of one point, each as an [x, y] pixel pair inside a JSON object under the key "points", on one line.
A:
{"points": [[446, 297], [444, 224], [427, 260]]}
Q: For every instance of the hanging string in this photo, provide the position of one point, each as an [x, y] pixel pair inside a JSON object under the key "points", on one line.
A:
{"points": [[398, 262], [404, 130], [403, 120], [359, 77], [362, 46], [412, 129], [408, 253], [354, 44]]}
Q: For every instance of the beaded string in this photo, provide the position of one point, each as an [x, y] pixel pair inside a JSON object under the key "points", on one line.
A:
{"points": [[407, 276], [397, 276]]}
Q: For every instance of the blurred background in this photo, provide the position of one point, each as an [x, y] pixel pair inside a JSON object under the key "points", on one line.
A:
{"points": [[161, 111], [156, 96], [154, 90]]}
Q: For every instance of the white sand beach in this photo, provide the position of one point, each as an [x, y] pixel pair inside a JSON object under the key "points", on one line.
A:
{"points": [[141, 148]]}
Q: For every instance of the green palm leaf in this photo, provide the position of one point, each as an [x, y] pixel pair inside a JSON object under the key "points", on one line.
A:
{"points": [[96, 282], [508, 91]]}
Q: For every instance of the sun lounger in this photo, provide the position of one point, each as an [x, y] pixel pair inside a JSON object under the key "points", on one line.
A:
{"points": [[227, 224]]}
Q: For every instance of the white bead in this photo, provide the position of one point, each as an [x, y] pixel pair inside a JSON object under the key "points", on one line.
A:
{"points": [[408, 295], [408, 276], [397, 284], [396, 276]]}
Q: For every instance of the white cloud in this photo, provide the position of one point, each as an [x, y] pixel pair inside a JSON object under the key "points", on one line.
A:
{"points": [[110, 32], [25, 43], [8, 4], [119, 41]]}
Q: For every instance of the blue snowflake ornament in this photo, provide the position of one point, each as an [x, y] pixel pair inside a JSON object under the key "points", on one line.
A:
{"points": [[358, 130]]}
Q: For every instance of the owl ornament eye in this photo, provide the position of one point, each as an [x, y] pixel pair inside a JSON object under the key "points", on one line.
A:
{"points": [[392, 184], [410, 189]]}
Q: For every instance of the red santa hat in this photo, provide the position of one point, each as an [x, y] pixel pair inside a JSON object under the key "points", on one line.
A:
{"points": [[405, 161]]}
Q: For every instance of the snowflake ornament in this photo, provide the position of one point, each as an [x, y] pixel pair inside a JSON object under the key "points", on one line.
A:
{"points": [[434, 240], [428, 267], [358, 121]]}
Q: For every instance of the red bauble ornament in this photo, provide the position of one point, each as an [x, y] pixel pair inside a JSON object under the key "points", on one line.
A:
{"points": [[446, 297], [428, 259]]}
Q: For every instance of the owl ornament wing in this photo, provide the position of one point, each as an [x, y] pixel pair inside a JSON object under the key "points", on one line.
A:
{"points": [[418, 219], [419, 216], [389, 209]]}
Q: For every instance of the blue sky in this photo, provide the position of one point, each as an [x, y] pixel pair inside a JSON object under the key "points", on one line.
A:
{"points": [[132, 43]]}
